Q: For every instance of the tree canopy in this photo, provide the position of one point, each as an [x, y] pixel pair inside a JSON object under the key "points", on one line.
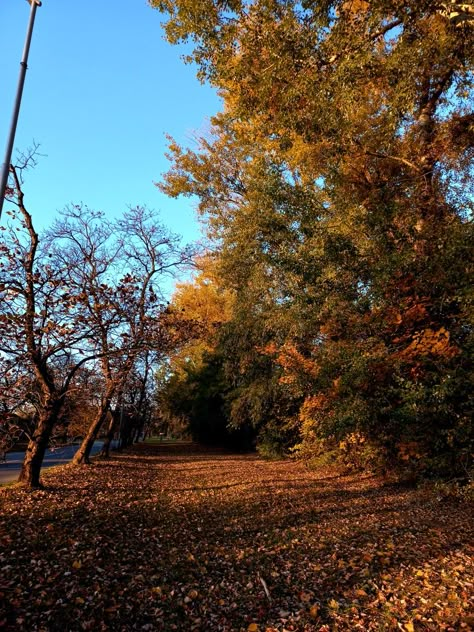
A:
{"points": [[337, 188]]}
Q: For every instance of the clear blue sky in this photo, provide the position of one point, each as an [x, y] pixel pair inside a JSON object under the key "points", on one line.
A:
{"points": [[102, 89]]}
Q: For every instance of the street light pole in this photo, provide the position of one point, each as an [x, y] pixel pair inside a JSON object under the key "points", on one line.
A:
{"points": [[16, 108]]}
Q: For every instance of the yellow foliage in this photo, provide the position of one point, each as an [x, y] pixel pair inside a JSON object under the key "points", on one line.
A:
{"points": [[352, 440], [354, 7], [312, 406]]}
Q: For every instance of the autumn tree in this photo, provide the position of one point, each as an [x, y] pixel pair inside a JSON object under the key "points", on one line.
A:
{"points": [[45, 334], [204, 389], [131, 417], [123, 266], [337, 188], [189, 396], [87, 294]]}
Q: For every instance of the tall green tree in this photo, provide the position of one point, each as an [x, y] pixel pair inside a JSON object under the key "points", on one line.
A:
{"points": [[337, 184]]}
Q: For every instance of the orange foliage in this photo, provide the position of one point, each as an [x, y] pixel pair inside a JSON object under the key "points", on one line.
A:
{"points": [[430, 342], [312, 407], [415, 314], [294, 363], [409, 450]]}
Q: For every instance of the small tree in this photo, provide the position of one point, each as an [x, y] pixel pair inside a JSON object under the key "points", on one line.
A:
{"points": [[43, 328], [117, 283]]}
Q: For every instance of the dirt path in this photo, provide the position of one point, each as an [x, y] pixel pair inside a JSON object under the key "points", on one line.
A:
{"points": [[178, 538]]}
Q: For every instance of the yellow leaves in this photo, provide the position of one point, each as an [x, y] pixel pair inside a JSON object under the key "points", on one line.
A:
{"points": [[204, 301], [253, 627], [458, 13], [312, 407], [77, 564], [409, 627], [355, 438], [314, 611], [354, 7], [333, 604]]}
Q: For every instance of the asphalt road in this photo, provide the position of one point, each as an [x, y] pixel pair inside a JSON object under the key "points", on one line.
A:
{"points": [[10, 470]]}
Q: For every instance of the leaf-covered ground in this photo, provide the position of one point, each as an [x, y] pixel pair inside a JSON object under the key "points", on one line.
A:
{"points": [[178, 538]]}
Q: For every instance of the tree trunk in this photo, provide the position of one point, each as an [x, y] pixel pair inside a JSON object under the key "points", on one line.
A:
{"points": [[82, 455], [110, 435], [31, 468]]}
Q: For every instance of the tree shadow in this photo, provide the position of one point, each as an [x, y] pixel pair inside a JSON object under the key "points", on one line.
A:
{"points": [[327, 537]]}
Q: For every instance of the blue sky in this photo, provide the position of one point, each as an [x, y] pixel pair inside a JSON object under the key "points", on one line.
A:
{"points": [[102, 89]]}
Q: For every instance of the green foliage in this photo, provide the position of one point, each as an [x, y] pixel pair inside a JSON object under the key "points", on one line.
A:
{"points": [[337, 188], [192, 403]]}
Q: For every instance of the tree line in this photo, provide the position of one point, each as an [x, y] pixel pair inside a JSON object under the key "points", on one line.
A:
{"points": [[335, 302], [83, 319], [331, 316]]}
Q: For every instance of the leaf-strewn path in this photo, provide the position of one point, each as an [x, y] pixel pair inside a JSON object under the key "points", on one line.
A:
{"points": [[177, 538]]}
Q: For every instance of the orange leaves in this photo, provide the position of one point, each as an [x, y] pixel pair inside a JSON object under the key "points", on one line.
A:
{"points": [[430, 342], [316, 402], [409, 450], [426, 340], [292, 361], [338, 551], [312, 407], [417, 313]]}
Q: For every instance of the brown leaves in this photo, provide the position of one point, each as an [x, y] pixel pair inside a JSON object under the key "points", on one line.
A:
{"points": [[170, 538]]}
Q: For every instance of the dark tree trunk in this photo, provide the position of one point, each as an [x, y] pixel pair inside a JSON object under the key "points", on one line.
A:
{"points": [[136, 438], [31, 468], [82, 455], [126, 435], [110, 435]]}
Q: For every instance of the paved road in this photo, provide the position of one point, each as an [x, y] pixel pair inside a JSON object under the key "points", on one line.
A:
{"points": [[10, 470]]}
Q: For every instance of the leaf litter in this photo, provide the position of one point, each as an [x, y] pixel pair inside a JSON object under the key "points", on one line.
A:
{"points": [[186, 538]]}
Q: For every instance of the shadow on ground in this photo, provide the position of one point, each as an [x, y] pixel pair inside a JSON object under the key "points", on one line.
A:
{"points": [[182, 538]]}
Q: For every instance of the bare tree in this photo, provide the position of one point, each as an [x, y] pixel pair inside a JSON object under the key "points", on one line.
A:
{"points": [[121, 268], [43, 326]]}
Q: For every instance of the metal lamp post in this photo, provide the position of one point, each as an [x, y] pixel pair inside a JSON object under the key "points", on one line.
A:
{"points": [[16, 108]]}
